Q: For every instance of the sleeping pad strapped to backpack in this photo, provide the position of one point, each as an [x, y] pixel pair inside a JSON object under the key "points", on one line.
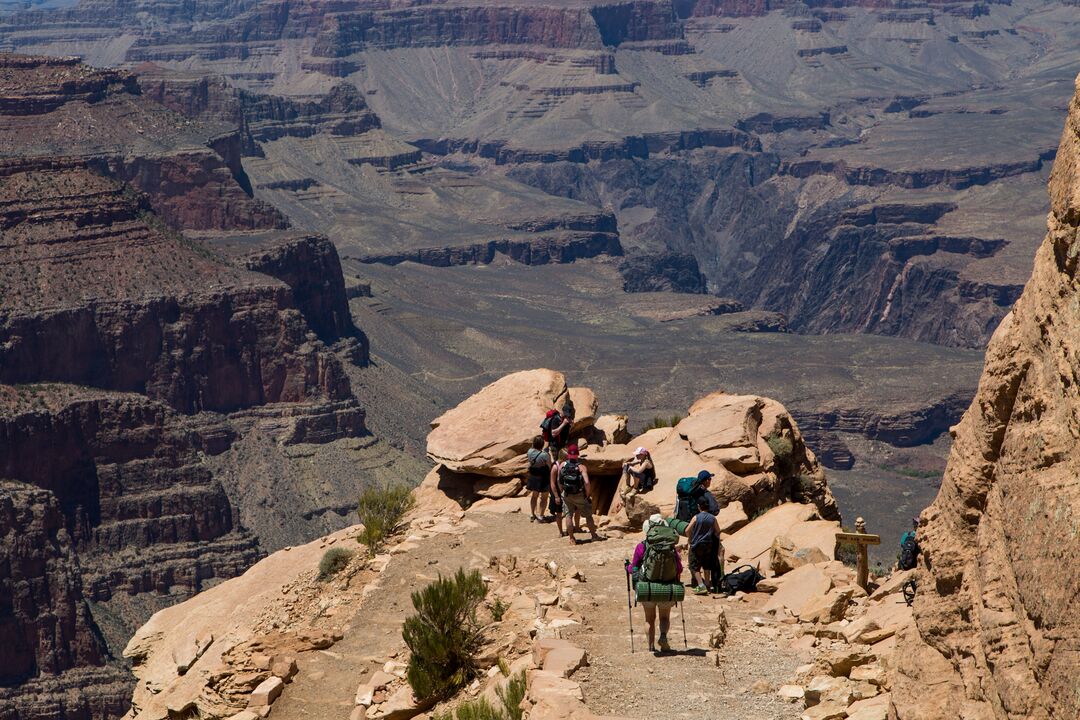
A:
{"points": [[660, 592], [659, 564]]}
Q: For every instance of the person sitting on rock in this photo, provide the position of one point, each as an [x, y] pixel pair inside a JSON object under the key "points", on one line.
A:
{"points": [[653, 608], [538, 478], [638, 474], [571, 480], [705, 548]]}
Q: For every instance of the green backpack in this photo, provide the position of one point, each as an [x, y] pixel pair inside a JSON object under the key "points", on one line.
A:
{"points": [[658, 564]]}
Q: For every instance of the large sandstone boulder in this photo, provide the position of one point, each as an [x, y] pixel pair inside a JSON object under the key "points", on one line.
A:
{"points": [[996, 612], [585, 408], [799, 524], [488, 433], [751, 445], [611, 429]]}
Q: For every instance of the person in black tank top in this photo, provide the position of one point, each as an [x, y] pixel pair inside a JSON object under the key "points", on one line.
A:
{"points": [[538, 474]]}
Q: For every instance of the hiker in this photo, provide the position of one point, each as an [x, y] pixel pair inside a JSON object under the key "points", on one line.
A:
{"points": [[556, 430], [689, 490], [656, 560], [706, 561], [638, 474], [538, 479], [571, 480], [908, 558]]}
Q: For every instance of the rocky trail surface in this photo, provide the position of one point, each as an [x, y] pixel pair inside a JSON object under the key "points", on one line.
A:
{"points": [[808, 643], [681, 681]]}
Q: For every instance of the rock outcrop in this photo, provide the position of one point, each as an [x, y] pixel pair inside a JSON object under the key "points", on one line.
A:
{"points": [[751, 444], [997, 618]]}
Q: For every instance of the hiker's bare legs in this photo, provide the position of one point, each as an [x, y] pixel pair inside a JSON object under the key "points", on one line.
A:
{"points": [[650, 620], [591, 524], [665, 621], [534, 500]]}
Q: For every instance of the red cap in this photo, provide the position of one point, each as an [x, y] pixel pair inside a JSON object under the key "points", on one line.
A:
{"points": [[572, 451], [550, 413]]}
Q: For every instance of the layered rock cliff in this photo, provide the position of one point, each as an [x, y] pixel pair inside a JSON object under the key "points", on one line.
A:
{"points": [[997, 614], [144, 297]]}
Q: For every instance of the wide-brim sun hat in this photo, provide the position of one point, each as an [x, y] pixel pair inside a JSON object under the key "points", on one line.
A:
{"points": [[641, 451], [654, 519]]}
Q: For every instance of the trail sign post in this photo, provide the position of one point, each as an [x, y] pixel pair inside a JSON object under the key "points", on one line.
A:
{"points": [[862, 541]]}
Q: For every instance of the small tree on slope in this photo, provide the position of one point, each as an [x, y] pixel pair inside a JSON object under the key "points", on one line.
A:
{"points": [[444, 636]]}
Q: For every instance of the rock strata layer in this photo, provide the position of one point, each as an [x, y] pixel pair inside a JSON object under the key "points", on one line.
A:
{"points": [[144, 297]]}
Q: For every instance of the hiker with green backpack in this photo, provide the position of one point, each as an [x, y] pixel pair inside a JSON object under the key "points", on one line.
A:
{"points": [[691, 489], [655, 569]]}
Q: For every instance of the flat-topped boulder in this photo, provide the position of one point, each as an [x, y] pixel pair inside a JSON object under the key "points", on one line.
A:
{"points": [[489, 433]]}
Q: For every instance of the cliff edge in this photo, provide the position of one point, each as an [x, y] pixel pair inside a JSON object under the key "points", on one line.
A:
{"points": [[998, 616]]}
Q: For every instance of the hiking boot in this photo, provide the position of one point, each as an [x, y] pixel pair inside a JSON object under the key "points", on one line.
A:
{"points": [[701, 590], [663, 643]]}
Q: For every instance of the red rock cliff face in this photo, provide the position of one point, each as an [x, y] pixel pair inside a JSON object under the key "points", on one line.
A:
{"points": [[998, 609], [121, 343]]}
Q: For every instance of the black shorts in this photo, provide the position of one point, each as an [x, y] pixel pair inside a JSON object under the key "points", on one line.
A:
{"points": [[703, 557], [537, 483], [554, 503]]}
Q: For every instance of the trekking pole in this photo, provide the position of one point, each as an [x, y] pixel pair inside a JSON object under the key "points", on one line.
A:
{"points": [[629, 607], [682, 616]]}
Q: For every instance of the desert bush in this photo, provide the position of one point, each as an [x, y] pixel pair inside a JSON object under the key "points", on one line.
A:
{"points": [[333, 561], [512, 695], [498, 608], [444, 636], [510, 698], [380, 511], [782, 448], [662, 422]]}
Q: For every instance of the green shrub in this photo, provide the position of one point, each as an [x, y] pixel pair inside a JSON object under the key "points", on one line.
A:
{"points": [[498, 608], [783, 450], [444, 636], [380, 511], [510, 698], [333, 561], [512, 695], [847, 551], [661, 422]]}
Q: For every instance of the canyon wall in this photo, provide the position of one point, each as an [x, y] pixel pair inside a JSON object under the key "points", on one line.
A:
{"points": [[998, 624], [148, 306]]}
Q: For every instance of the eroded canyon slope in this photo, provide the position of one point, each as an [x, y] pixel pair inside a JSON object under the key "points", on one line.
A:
{"points": [[137, 363], [866, 167], [997, 613]]}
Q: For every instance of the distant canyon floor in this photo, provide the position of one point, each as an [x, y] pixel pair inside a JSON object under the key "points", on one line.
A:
{"points": [[440, 334]]}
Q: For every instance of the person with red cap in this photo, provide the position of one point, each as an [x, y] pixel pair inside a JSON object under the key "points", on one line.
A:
{"points": [[570, 480]]}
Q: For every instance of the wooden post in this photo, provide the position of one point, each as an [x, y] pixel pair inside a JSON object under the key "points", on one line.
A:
{"points": [[862, 542]]}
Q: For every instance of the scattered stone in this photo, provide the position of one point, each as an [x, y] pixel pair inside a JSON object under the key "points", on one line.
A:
{"points": [[266, 692], [791, 692], [283, 666], [784, 556], [244, 715], [396, 668], [380, 679], [871, 673], [365, 694], [825, 712]]}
